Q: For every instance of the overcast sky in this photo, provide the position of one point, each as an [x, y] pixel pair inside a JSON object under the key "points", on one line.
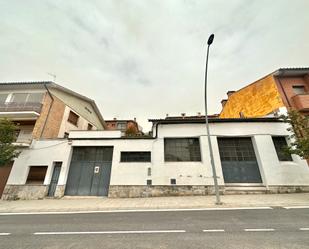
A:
{"points": [[146, 58]]}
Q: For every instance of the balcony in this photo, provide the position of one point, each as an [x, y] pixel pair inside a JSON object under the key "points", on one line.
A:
{"points": [[25, 110], [24, 136], [301, 101]]}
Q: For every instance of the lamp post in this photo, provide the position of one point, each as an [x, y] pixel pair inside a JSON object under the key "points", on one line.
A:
{"points": [[218, 202]]}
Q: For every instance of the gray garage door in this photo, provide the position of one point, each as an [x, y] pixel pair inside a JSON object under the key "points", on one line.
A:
{"points": [[238, 160], [90, 171]]}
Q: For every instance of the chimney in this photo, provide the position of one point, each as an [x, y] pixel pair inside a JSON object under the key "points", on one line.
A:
{"points": [[114, 118], [229, 93], [223, 102], [134, 119], [183, 115], [199, 114], [166, 115]]}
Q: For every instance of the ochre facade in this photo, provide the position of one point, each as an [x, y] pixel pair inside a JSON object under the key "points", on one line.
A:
{"points": [[255, 100]]}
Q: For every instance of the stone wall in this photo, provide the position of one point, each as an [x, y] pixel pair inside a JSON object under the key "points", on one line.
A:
{"points": [[24, 192], [121, 191]]}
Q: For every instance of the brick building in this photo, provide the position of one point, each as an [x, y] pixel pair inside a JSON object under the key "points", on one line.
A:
{"points": [[123, 125], [45, 110], [284, 88]]}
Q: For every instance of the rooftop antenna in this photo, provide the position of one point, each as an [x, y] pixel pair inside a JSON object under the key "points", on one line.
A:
{"points": [[52, 75]]}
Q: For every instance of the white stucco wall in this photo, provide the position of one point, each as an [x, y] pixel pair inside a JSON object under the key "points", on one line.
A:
{"points": [[41, 153], [273, 172]]}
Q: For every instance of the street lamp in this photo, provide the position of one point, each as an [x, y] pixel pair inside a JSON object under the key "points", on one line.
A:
{"points": [[218, 202]]}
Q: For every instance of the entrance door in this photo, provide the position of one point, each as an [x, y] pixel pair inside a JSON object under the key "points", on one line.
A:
{"points": [[54, 180], [4, 175], [238, 160], [90, 171]]}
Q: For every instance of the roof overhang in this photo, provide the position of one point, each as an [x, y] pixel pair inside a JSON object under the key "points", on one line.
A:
{"points": [[291, 72]]}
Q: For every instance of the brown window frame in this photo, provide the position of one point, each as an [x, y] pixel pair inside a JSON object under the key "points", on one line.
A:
{"points": [[73, 118], [36, 175]]}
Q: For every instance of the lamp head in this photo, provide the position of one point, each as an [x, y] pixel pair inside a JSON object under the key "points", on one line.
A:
{"points": [[210, 39]]}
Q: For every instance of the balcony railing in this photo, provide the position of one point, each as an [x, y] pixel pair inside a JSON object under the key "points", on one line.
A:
{"points": [[301, 101], [21, 107]]}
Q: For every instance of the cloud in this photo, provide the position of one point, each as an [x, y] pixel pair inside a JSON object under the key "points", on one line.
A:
{"points": [[146, 58]]}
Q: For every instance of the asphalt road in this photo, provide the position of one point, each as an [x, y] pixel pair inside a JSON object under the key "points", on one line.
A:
{"points": [[269, 228]]}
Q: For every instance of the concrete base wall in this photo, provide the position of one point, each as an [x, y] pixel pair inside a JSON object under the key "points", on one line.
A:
{"points": [[24, 192], [121, 191], [59, 191]]}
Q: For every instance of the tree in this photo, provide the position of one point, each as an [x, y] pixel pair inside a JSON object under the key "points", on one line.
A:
{"points": [[7, 136], [299, 128], [131, 131]]}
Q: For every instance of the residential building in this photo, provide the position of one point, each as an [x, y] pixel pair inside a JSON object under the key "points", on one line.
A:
{"points": [[248, 155], [45, 110], [272, 94], [123, 126]]}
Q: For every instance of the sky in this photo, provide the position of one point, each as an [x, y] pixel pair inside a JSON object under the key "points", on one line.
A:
{"points": [[146, 59]]}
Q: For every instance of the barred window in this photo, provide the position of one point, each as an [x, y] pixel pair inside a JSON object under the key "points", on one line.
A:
{"points": [[135, 156], [280, 144], [236, 149], [182, 149]]}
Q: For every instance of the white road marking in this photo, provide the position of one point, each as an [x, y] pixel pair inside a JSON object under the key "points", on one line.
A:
{"points": [[110, 232], [138, 210], [296, 207], [259, 229], [213, 230], [304, 229], [4, 234]]}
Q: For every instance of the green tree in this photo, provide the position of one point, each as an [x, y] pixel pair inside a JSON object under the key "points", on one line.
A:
{"points": [[8, 151], [299, 128]]}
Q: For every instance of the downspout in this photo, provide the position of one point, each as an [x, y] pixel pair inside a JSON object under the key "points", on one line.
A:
{"points": [[50, 106], [286, 97]]}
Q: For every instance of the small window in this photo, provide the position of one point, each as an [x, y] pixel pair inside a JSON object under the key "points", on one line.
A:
{"points": [[182, 149], [299, 89], [73, 118], [122, 126], [173, 181], [90, 126], [36, 175], [280, 143], [149, 182], [135, 156]]}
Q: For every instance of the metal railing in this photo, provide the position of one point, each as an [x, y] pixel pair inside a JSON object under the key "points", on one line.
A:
{"points": [[18, 107]]}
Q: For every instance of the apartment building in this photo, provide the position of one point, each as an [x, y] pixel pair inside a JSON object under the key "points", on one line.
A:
{"points": [[45, 110], [272, 94]]}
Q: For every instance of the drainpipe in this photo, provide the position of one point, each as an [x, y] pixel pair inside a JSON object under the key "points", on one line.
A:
{"points": [[50, 106], [286, 97]]}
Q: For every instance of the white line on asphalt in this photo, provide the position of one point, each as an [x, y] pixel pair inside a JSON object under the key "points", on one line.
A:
{"points": [[213, 230], [304, 229], [296, 207], [259, 230], [138, 210], [4, 234], [110, 232]]}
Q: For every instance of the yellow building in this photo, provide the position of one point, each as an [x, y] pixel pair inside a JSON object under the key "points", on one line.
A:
{"points": [[286, 87]]}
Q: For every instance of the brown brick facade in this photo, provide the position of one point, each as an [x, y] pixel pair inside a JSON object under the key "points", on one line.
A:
{"points": [[54, 120]]}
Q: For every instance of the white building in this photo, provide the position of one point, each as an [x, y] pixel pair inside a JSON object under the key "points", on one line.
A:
{"points": [[175, 161]]}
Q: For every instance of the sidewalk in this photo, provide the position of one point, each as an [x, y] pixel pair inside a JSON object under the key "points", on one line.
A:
{"points": [[69, 204]]}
